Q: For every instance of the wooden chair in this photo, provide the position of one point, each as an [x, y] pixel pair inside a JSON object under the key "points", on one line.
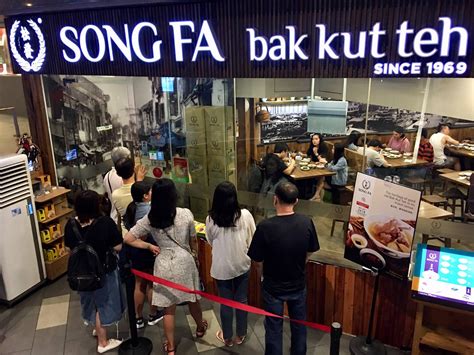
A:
{"points": [[456, 198]]}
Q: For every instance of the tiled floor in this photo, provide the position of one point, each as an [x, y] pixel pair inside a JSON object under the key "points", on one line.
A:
{"points": [[48, 323]]}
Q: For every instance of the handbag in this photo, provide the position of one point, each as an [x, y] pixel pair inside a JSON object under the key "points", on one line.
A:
{"points": [[193, 254]]}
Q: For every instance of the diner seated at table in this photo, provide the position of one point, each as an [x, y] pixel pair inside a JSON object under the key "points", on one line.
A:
{"points": [[399, 141], [275, 169], [339, 165], [425, 150], [439, 141], [376, 163], [352, 141], [318, 151]]}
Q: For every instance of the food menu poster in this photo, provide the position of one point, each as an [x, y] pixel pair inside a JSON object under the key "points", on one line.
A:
{"points": [[444, 276], [382, 225], [180, 170]]}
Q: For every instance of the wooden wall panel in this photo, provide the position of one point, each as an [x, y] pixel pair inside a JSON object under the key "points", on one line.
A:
{"points": [[38, 121], [342, 295]]}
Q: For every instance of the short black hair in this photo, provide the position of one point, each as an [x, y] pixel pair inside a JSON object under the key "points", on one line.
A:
{"points": [[281, 147], [424, 132], [442, 125], [125, 168], [374, 143], [287, 192], [399, 130], [87, 205]]}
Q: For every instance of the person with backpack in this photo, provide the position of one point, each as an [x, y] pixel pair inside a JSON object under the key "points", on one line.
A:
{"points": [[92, 269], [229, 230], [142, 260], [173, 230]]}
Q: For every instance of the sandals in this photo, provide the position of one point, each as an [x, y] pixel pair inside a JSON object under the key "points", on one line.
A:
{"points": [[200, 331], [166, 350], [240, 340], [220, 337]]}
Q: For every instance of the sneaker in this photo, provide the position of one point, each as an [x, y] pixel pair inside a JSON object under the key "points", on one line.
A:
{"points": [[155, 318], [140, 323], [111, 344]]}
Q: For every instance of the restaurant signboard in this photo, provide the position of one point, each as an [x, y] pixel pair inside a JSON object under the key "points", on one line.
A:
{"points": [[382, 225], [222, 40]]}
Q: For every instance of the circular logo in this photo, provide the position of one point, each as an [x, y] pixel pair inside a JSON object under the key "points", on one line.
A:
{"points": [[157, 172], [214, 119], [436, 224], [338, 210], [366, 184], [194, 119], [27, 44]]}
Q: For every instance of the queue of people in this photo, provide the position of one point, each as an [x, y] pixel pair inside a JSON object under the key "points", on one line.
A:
{"points": [[156, 236]]}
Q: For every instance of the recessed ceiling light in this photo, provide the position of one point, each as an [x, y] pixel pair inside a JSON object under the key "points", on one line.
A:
{"points": [[29, 4]]}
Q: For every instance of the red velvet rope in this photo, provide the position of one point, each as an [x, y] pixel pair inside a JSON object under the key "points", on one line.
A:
{"points": [[227, 302]]}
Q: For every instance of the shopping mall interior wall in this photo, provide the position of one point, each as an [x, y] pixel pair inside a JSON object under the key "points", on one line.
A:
{"points": [[11, 94], [273, 87]]}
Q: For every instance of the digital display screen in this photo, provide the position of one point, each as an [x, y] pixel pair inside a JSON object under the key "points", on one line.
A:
{"points": [[71, 154], [156, 155], [167, 84], [326, 116], [444, 276]]}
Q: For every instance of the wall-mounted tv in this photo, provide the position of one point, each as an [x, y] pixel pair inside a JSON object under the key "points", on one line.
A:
{"points": [[325, 116]]}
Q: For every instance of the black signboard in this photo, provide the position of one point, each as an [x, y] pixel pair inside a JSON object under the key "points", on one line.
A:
{"points": [[251, 38]]}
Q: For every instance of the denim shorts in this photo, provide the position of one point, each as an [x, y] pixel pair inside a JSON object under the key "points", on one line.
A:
{"points": [[108, 301]]}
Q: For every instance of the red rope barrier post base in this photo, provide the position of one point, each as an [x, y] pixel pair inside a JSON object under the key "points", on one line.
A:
{"points": [[135, 345]]}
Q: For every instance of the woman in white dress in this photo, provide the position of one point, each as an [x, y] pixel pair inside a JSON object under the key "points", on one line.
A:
{"points": [[173, 230]]}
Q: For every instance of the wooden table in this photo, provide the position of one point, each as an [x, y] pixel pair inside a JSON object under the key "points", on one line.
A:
{"points": [[401, 163], [428, 210], [454, 178], [299, 174], [461, 151]]}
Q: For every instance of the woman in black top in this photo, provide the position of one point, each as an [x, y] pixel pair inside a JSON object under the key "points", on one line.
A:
{"points": [[318, 150], [102, 307]]}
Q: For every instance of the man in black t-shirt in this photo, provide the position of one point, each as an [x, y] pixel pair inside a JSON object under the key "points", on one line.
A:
{"points": [[275, 168], [281, 246]]}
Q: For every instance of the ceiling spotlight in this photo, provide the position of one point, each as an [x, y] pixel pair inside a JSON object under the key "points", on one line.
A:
{"points": [[28, 4]]}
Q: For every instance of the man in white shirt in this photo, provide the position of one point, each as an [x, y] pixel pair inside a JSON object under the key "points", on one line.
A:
{"points": [[111, 180], [439, 141], [374, 158]]}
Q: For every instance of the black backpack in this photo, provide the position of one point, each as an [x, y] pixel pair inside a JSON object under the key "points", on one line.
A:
{"points": [[85, 271]]}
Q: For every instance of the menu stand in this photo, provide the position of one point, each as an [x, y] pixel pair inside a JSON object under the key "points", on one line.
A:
{"points": [[365, 345]]}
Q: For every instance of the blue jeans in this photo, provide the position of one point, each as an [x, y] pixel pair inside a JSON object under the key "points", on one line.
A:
{"points": [[234, 289], [296, 303]]}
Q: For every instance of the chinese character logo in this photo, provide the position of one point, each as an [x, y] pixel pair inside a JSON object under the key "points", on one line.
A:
{"points": [[27, 45]]}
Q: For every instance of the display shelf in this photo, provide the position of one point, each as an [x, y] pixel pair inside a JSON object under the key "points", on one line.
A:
{"points": [[57, 267], [53, 240], [58, 192], [65, 211], [449, 342]]}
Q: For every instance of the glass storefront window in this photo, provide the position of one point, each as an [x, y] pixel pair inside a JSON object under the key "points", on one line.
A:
{"points": [[200, 132]]}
